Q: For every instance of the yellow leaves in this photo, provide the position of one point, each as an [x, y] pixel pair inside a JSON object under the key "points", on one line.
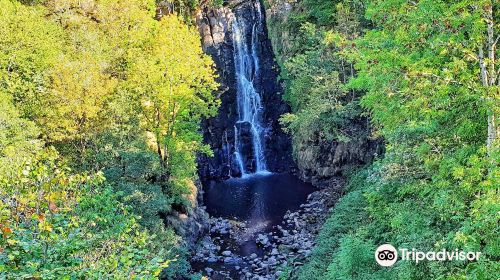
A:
{"points": [[80, 88], [444, 52], [162, 266], [45, 226], [38, 217], [458, 172], [461, 238], [12, 242], [174, 81], [85, 6], [60, 194], [24, 200]]}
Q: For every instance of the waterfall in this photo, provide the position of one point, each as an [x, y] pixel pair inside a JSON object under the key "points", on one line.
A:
{"points": [[237, 152], [249, 100]]}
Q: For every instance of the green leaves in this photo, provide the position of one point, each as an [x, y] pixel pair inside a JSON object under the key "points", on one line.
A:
{"points": [[77, 79], [80, 229], [323, 109], [436, 186]]}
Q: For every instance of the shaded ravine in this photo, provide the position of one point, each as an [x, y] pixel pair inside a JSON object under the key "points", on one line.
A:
{"points": [[248, 192], [258, 201], [259, 223]]}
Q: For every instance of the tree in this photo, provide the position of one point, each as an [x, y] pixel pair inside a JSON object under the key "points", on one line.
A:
{"points": [[56, 224], [490, 75], [72, 94], [30, 46], [175, 83], [422, 69]]}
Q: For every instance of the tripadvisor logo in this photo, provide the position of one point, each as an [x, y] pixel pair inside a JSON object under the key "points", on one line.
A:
{"points": [[387, 255]]}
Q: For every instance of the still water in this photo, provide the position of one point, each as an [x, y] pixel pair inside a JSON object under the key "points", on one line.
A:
{"points": [[260, 200]]}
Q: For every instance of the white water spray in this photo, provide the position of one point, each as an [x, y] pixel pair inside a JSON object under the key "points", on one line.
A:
{"points": [[247, 66]]}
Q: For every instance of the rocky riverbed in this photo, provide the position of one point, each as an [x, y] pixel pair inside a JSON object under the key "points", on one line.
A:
{"points": [[233, 250]]}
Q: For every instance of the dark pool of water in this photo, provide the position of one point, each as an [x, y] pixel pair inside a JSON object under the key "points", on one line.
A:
{"points": [[259, 200]]}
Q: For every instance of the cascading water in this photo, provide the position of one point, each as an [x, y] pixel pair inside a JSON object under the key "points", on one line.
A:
{"points": [[248, 119], [247, 66]]}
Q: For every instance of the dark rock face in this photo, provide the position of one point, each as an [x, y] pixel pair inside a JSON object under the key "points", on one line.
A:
{"points": [[191, 223], [215, 26], [320, 161]]}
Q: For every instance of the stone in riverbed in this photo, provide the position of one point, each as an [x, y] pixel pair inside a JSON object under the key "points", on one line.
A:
{"points": [[226, 253], [272, 261], [230, 260], [262, 239]]}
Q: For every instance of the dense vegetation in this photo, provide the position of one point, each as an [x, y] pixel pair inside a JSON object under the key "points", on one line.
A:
{"points": [[100, 103], [426, 74], [99, 110]]}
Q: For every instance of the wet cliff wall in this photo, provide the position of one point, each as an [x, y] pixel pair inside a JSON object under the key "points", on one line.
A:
{"points": [[216, 30]]}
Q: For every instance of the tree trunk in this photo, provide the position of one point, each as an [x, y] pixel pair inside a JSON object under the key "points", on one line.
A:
{"points": [[158, 150], [158, 139], [489, 77]]}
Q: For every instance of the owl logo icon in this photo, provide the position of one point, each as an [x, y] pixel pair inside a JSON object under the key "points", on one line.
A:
{"points": [[386, 255]]}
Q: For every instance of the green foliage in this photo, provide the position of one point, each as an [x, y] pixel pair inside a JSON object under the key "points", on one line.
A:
{"points": [[348, 215], [56, 225], [418, 74], [354, 253], [437, 185], [328, 13], [18, 137], [77, 77], [174, 82], [323, 108]]}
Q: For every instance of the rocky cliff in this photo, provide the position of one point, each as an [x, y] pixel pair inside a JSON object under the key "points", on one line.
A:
{"points": [[215, 27]]}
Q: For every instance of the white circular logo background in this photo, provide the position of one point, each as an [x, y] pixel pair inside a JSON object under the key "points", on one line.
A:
{"points": [[386, 255]]}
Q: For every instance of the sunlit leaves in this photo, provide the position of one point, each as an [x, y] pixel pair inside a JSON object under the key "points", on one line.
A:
{"points": [[59, 225], [174, 82], [436, 187], [69, 79]]}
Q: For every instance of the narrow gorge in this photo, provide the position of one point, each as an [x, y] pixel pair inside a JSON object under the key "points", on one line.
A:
{"points": [[249, 183], [264, 211], [249, 139]]}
